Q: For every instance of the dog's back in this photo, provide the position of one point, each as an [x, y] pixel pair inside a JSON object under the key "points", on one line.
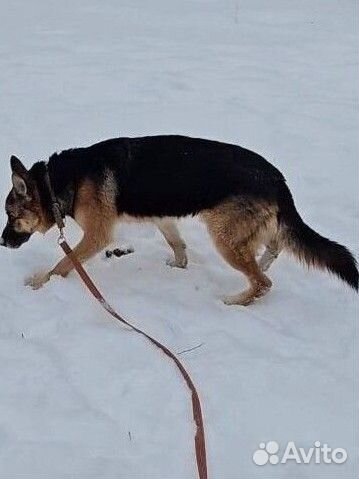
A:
{"points": [[169, 175], [178, 176]]}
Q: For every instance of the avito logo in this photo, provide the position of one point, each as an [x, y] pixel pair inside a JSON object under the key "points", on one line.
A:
{"points": [[269, 453]]}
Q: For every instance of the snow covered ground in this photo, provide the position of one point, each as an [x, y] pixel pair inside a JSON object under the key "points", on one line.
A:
{"points": [[81, 397]]}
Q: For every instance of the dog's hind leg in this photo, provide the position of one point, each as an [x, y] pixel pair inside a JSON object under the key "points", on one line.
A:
{"points": [[270, 254], [171, 234], [237, 229], [242, 258]]}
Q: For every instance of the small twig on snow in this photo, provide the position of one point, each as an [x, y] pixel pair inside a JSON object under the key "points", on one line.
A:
{"points": [[190, 349]]}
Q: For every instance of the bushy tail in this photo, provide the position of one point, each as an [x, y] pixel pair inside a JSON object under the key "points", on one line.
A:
{"points": [[309, 246]]}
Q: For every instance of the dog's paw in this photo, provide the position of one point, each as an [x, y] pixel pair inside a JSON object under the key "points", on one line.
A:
{"points": [[242, 299], [177, 263], [37, 280]]}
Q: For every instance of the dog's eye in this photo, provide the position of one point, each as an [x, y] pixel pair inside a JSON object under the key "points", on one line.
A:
{"points": [[13, 216]]}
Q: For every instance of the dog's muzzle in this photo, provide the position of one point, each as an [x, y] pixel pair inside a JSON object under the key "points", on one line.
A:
{"points": [[12, 239]]}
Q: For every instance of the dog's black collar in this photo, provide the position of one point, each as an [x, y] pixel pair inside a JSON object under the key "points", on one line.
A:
{"points": [[55, 205]]}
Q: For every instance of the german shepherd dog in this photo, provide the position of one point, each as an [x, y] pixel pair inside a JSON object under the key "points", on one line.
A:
{"points": [[243, 200]]}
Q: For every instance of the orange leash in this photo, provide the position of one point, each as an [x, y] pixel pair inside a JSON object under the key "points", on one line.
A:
{"points": [[200, 444]]}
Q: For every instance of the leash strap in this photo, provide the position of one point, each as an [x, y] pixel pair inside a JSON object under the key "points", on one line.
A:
{"points": [[200, 445]]}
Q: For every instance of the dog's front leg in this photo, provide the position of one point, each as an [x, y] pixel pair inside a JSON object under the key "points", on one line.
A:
{"points": [[37, 280], [86, 249], [96, 215]]}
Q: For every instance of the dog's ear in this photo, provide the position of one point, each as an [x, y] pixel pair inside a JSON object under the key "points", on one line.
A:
{"points": [[20, 176]]}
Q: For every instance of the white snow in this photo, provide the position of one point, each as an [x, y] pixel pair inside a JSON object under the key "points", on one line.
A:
{"points": [[81, 396]]}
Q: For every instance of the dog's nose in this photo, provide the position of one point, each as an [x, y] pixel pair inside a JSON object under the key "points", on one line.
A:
{"points": [[2, 241]]}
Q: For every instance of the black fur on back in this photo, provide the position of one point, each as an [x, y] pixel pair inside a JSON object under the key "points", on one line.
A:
{"points": [[167, 175]]}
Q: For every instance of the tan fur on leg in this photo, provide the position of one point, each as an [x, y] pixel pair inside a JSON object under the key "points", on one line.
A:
{"points": [[171, 234], [86, 249], [243, 259], [95, 213], [237, 228], [270, 254]]}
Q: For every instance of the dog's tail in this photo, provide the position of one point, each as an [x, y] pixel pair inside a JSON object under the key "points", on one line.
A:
{"points": [[309, 246]]}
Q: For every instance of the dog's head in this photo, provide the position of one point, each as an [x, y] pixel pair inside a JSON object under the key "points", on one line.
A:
{"points": [[23, 208]]}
